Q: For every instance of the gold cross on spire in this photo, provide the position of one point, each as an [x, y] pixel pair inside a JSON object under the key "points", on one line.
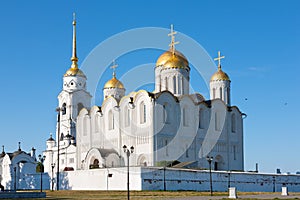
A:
{"points": [[173, 43], [219, 59], [114, 66]]}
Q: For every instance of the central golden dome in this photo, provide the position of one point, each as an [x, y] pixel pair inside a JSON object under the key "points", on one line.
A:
{"points": [[172, 60], [113, 83]]}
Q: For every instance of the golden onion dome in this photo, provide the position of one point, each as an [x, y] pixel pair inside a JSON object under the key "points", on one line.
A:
{"points": [[172, 60], [74, 71], [220, 76], [113, 83]]}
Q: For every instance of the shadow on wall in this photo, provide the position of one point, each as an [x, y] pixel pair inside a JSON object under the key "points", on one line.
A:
{"points": [[64, 181]]}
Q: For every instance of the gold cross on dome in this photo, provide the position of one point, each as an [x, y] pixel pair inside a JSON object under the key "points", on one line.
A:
{"points": [[114, 66], [219, 59], [173, 43]]}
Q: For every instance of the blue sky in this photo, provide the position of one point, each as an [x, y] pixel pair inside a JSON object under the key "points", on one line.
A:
{"points": [[260, 40]]}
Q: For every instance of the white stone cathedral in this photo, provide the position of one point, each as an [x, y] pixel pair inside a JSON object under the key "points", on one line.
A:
{"points": [[166, 127]]}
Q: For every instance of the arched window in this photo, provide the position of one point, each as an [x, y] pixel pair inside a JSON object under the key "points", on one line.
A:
{"points": [[234, 152], [79, 107], [233, 123], [166, 83], [95, 164], [221, 93], [174, 85], [214, 93], [85, 125], [182, 85], [111, 120], [185, 117], [127, 117], [217, 122], [228, 95], [201, 118], [167, 150], [143, 112], [166, 113], [179, 85], [97, 123], [64, 109]]}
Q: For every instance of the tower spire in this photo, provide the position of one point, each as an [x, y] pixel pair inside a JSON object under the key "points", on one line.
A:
{"points": [[219, 59], [74, 58], [173, 43]]}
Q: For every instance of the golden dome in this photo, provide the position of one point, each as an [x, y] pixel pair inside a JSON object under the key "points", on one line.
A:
{"points": [[74, 71], [220, 76], [170, 60], [113, 83]]}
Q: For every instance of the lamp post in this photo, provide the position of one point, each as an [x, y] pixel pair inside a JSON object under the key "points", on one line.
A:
{"points": [[209, 160], [15, 182], [41, 159], [58, 110], [128, 152], [52, 179]]}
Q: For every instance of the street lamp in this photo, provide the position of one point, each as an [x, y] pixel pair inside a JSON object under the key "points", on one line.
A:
{"points": [[128, 152], [52, 179], [15, 182], [209, 160], [58, 110], [41, 159]]}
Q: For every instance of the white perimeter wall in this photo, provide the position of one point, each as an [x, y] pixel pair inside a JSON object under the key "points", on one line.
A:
{"points": [[182, 179], [154, 178]]}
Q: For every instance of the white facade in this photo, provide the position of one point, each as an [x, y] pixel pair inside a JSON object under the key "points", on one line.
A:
{"points": [[166, 127]]}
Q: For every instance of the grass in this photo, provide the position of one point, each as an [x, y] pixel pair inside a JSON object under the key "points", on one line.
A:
{"points": [[140, 195]]}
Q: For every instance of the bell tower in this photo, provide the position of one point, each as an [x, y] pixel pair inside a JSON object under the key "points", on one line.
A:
{"points": [[74, 95]]}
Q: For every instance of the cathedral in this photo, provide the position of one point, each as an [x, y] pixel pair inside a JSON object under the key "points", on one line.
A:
{"points": [[165, 127]]}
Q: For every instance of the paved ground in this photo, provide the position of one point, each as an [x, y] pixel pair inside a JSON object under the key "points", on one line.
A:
{"points": [[258, 196]]}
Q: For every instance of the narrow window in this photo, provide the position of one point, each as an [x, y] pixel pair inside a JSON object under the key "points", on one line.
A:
{"points": [[166, 144], [182, 85], [217, 125], [179, 84], [85, 125], [185, 117], [234, 152], [201, 118], [228, 95], [127, 117], [221, 95], [111, 120], [166, 83], [214, 93], [166, 113], [64, 109], [233, 123], [174, 85], [97, 122], [143, 113]]}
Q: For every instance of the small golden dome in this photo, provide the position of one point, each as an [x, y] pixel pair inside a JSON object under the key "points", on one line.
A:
{"points": [[220, 76], [170, 60], [113, 83], [74, 71]]}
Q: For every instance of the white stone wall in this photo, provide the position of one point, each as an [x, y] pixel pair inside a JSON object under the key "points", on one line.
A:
{"points": [[154, 178]]}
